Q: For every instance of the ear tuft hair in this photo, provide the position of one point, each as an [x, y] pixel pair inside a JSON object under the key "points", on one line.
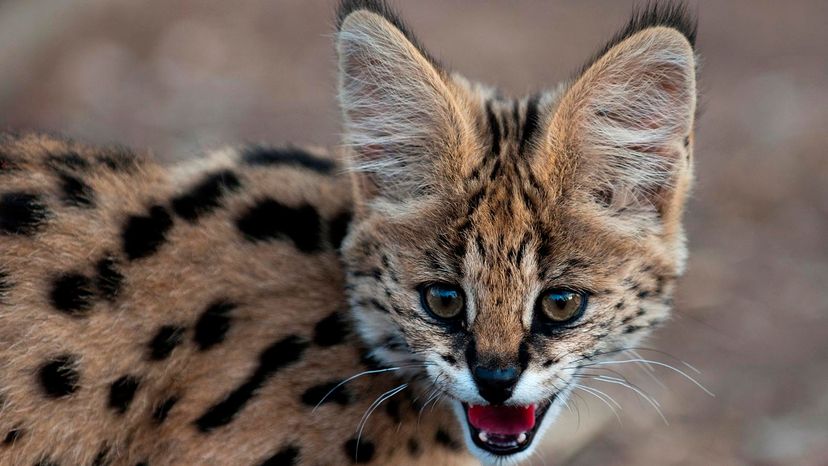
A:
{"points": [[629, 116], [402, 120], [670, 14], [382, 8]]}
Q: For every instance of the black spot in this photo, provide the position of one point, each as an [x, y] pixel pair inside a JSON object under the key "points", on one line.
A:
{"points": [[530, 126], [338, 229], [7, 164], [359, 452], [108, 279], [162, 344], [59, 377], [496, 170], [414, 447], [395, 342], [72, 293], [21, 213], [655, 322], [285, 457], [163, 410], [331, 330], [5, 284], [314, 395], [523, 354], [102, 458], [494, 126], [633, 328], [269, 219], [443, 438], [643, 294], [378, 306], [12, 436], [449, 358], [119, 161], [213, 325], [392, 275], [71, 160], [620, 305], [278, 355], [370, 362], [76, 192], [267, 156], [121, 393], [205, 197], [659, 284], [603, 197], [144, 234], [142, 463], [47, 462], [392, 408]]}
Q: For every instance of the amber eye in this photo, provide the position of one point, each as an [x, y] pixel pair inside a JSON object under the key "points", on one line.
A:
{"points": [[442, 300], [562, 306]]}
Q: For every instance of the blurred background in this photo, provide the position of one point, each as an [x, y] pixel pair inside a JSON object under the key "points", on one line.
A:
{"points": [[752, 312]]}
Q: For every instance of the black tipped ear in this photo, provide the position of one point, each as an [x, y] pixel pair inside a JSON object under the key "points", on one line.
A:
{"points": [[671, 15], [380, 8], [402, 119], [629, 117]]}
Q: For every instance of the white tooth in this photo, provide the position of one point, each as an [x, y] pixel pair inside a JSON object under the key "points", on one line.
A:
{"points": [[522, 437], [483, 437]]}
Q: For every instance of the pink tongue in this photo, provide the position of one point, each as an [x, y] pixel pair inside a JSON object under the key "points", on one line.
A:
{"points": [[504, 420]]}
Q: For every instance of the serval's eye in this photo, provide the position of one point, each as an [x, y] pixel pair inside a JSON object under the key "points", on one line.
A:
{"points": [[560, 306], [442, 300]]}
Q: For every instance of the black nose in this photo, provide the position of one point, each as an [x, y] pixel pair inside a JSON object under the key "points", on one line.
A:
{"points": [[495, 384]]}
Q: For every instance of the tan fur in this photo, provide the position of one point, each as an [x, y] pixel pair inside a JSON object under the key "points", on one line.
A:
{"points": [[580, 188], [591, 201], [280, 291]]}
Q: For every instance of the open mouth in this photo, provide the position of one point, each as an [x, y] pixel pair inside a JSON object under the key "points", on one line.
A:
{"points": [[504, 430]]}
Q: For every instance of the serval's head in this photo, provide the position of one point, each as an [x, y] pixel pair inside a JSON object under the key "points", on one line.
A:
{"points": [[502, 243]]}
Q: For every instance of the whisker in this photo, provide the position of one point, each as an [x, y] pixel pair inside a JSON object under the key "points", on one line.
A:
{"points": [[594, 392], [356, 376], [640, 393], [637, 348], [569, 406], [433, 395], [649, 370], [656, 363], [371, 410]]}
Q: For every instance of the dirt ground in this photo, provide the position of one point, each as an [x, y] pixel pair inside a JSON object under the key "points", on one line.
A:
{"points": [[752, 312]]}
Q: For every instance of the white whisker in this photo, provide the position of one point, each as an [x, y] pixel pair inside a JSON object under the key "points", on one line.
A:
{"points": [[649, 399], [370, 411], [656, 363], [595, 392]]}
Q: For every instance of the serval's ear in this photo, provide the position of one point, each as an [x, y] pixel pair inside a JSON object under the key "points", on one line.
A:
{"points": [[403, 121], [627, 120]]}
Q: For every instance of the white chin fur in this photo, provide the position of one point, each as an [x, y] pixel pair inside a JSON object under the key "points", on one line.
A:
{"points": [[487, 458]]}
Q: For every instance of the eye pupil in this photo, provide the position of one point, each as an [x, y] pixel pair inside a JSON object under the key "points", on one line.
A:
{"points": [[442, 300], [561, 300], [561, 306]]}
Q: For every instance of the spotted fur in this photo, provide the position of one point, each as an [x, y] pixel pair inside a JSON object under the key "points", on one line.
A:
{"points": [[215, 312]]}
